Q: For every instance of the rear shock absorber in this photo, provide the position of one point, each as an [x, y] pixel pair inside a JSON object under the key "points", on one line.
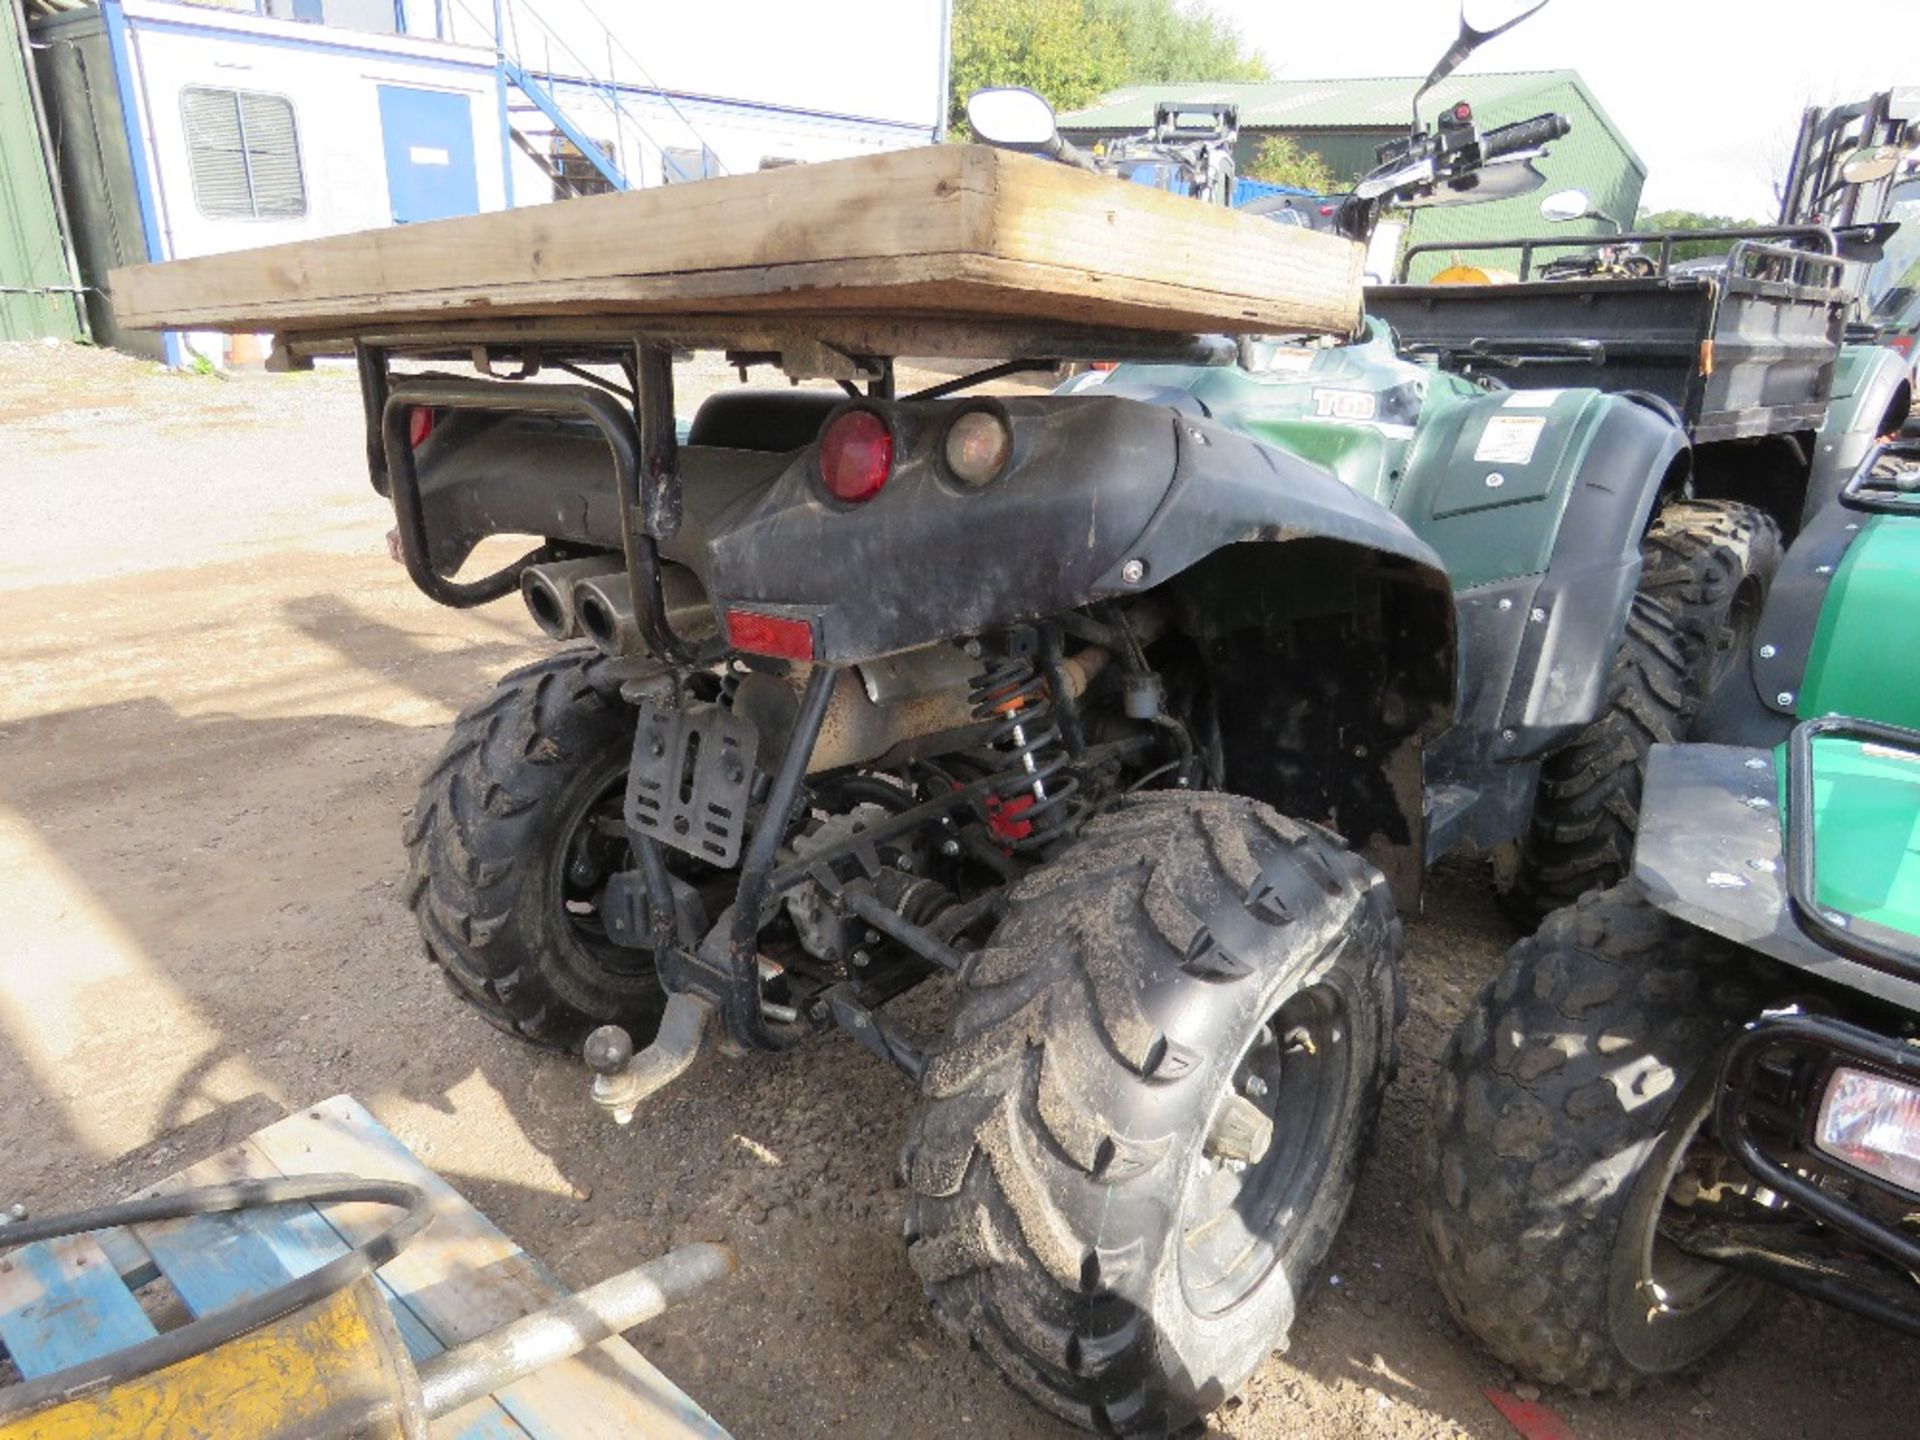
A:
{"points": [[1028, 802]]}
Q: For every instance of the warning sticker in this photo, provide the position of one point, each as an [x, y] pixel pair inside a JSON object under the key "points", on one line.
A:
{"points": [[1510, 439], [1533, 399]]}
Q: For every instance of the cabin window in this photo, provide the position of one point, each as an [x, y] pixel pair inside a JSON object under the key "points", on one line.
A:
{"points": [[244, 155], [574, 174]]}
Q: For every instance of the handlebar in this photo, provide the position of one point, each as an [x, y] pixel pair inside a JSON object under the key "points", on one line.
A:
{"points": [[1522, 135]]}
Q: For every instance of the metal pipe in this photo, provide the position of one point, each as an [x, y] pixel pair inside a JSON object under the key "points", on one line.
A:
{"points": [[487, 395], [517, 1349], [768, 836]]}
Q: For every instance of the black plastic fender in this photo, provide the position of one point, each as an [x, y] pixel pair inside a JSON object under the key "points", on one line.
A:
{"points": [[1103, 497]]}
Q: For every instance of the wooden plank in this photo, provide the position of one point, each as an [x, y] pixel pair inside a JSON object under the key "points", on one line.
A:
{"points": [[128, 1256], [61, 1304], [955, 231], [464, 1277]]}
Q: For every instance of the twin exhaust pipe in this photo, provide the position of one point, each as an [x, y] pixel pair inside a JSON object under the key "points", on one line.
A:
{"points": [[593, 597]]}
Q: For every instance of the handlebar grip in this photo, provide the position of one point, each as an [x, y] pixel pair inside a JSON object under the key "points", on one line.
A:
{"points": [[1523, 135]]}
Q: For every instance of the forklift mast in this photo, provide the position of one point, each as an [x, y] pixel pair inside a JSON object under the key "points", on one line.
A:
{"points": [[1815, 192]]}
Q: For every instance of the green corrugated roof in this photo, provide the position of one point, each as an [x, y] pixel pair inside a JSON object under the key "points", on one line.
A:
{"points": [[1366, 103]]}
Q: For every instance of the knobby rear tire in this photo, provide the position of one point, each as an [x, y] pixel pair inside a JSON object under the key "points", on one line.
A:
{"points": [[487, 844], [1065, 1115]]}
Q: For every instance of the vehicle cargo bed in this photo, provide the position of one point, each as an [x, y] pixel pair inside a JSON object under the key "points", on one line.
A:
{"points": [[1749, 350]]}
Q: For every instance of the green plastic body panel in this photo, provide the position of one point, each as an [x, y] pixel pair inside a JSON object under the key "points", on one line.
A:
{"points": [[1483, 478], [1865, 662], [1866, 830]]}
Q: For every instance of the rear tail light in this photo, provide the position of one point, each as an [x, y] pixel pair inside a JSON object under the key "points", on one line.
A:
{"points": [[420, 423], [1902, 343], [979, 444], [856, 456], [780, 636], [1873, 1124]]}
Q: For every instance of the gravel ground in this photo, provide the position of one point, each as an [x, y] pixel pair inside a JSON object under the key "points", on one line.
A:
{"points": [[218, 694]]}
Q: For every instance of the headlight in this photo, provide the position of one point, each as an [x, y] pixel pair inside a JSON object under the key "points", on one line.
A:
{"points": [[1873, 1124]]}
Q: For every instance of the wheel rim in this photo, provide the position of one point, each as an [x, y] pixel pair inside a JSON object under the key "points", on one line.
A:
{"points": [[595, 847], [1668, 1307], [1236, 1216]]}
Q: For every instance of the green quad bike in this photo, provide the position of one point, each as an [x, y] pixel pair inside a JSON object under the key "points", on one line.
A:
{"points": [[1707, 1079], [1755, 358], [1139, 728]]}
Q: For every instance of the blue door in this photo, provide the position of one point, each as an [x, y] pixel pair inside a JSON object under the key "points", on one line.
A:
{"points": [[429, 142]]}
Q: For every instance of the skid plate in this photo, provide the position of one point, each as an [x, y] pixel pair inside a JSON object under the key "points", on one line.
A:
{"points": [[691, 777]]}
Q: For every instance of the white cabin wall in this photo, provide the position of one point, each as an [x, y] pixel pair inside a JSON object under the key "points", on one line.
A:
{"points": [[334, 94], [842, 57]]}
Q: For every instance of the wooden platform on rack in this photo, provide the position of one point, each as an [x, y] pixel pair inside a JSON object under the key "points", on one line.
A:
{"points": [[949, 232], [67, 1301]]}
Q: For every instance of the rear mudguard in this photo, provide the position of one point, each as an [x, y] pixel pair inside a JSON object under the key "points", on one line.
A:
{"points": [[1103, 498], [1538, 642], [1872, 397]]}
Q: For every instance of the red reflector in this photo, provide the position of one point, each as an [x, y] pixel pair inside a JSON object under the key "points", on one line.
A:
{"points": [[419, 426], [776, 635], [856, 456], [1463, 111]]}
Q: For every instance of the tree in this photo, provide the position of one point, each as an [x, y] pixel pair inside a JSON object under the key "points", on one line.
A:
{"points": [[1281, 161], [1692, 220], [1074, 51]]}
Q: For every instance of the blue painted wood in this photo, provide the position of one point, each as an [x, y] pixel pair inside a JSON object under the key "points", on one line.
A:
{"points": [[61, 1304], [214, 1261]]}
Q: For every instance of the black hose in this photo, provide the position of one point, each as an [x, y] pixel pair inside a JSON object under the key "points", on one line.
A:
{"points": [[212, 1331]]}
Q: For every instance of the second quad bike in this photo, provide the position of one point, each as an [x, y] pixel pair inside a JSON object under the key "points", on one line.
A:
{"points": [[1139, 727], [1707, 1080]]}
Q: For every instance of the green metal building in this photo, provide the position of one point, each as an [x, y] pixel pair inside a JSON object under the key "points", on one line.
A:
{"points": [[1344, 121], [39, 283]]}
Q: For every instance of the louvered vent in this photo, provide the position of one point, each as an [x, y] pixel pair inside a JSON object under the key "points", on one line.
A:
{"points": [[244, 154]]}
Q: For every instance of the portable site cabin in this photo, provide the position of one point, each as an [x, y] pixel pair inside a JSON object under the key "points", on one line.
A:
{"points": [[184, 130], [1345, 121]]}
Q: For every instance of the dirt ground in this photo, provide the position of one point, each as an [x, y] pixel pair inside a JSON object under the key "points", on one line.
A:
{"points": [[217, 693]]}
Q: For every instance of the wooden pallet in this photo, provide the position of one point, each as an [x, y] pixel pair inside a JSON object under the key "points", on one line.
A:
{"points": [[67, 1301], [963, 232]]}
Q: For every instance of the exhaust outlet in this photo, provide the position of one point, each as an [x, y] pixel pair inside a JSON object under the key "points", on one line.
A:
{"points": [[604, 607], [548, 591]]}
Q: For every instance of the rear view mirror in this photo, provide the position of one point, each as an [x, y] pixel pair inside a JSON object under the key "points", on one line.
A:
{"points": [[1487, 18], [1480, 21], [1870, 163], [1012, 116], [1565, 205]]}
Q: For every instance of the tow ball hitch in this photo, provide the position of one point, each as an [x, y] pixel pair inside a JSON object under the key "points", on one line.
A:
{"points": [[623, 1078]]}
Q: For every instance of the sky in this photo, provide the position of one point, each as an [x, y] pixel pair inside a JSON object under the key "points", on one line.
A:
{"points": [[1709, 92]]}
